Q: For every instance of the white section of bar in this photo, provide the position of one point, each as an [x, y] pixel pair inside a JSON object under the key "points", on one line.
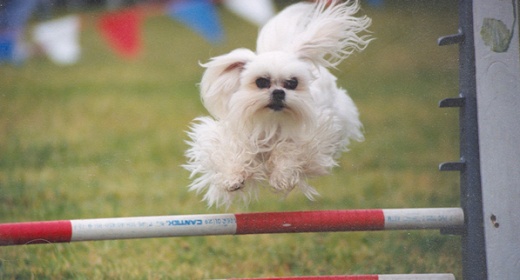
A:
{"points": [[417, 276], [154, 226], [424, 218]]}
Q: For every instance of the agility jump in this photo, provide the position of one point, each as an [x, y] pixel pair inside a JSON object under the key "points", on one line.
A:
{"points": [[61, 231]]}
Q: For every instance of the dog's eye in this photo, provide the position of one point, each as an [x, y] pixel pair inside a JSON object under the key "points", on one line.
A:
{"points": [[291, 84], [263, 83]]}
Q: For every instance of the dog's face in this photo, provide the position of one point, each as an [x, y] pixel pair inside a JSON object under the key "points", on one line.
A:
{"points": [[273, 86], [264, 91]]}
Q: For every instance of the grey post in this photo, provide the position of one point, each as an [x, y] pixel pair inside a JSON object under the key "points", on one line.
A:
{"points": [[473, 244], [498, 94], [489, 137]]}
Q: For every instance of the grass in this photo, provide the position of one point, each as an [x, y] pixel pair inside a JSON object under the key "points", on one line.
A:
{"points": [[105, 138]]}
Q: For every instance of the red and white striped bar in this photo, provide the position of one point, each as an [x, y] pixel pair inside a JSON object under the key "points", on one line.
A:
{"points": [[229, 224], [362, 277]]}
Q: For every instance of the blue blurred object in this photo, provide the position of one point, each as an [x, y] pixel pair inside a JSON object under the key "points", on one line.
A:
{"points": [[199, 15], [14, 15], [375, 3], [7, 42]]}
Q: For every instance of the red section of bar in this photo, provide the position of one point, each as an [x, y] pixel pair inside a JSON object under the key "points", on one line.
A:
{"points": [[337, 277], [310, 221], [35, 232]]}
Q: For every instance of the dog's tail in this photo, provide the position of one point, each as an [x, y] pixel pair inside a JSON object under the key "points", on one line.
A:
{"points": [[324, 32]]}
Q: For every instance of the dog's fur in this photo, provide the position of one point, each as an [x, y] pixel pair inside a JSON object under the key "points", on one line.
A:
{"points": [[277, 114]]}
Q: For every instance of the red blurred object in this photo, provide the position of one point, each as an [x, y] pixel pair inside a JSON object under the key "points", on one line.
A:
{"points": [[121, 30]]}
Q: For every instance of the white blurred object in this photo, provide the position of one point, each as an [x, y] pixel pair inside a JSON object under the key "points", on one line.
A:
{"points": [[255, 11], [59, 39]]}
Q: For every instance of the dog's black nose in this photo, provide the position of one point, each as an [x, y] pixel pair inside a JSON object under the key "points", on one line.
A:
{"points": [[278, 95], [277, 100]]}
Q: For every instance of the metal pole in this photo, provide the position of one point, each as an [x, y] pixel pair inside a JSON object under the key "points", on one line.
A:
{"points": [[473, 240], [229, 224]]}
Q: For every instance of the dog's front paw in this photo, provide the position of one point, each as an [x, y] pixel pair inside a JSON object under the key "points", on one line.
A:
{"points": [[284, 180], [222, 189], [234, 185]]}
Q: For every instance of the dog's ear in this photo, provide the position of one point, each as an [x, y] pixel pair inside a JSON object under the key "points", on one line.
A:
{"points": [[330, 33], [221, 79]]}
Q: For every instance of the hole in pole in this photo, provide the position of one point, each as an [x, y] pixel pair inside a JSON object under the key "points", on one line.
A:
{"points": [[494, 221]]}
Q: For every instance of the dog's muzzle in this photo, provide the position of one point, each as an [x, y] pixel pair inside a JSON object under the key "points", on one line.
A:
{"points": [[277, 100]]}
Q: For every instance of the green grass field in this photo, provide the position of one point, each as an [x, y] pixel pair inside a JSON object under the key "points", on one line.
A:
{"points": [[105, 138]]}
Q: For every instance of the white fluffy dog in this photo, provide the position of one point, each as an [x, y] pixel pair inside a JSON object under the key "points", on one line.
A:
{"points": [[277, 114]]}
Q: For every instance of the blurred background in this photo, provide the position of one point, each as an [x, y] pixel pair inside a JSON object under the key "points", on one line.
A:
{"points": [[95, 101]]}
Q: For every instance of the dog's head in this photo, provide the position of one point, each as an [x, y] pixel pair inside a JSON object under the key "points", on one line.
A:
{"points": [[270, 87], [273, 84]]}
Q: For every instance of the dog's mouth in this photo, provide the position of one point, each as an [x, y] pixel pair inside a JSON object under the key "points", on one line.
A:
{"points": [[276, 105]]}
